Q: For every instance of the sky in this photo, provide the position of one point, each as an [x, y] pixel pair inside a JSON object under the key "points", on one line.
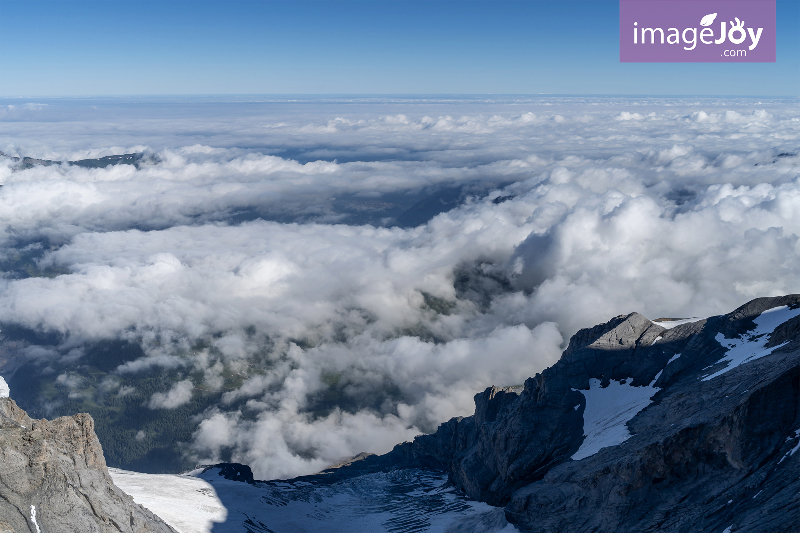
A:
{"points": [[258, 249], [79, 48]]}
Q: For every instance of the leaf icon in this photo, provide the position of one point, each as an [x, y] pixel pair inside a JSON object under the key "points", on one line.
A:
{"points": [[708, 19]]}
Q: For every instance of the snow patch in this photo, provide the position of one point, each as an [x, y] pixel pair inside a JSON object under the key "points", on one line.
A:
{"points": [[5, 392], [607, 413], [671, 359], [728, 529], [752, 345], [33, 519], [793, 450], [669, 324]]}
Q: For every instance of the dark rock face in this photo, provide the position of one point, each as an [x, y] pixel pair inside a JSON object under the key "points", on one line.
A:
{"points": [[53, 477], [233, 472], [513, 439], [708, 452]]}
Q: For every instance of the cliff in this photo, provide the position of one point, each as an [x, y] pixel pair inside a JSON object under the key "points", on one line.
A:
{"points": [[53, 478], [639, 428]]}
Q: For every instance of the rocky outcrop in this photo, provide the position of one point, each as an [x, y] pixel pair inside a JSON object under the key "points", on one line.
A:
{"points": [[230, 471], [53, 478], [704, 440], [513, 439]]}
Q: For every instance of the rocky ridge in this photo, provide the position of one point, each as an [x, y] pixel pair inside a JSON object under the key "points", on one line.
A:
{"points": [[135, 159], [53, 478], [637, 428]]}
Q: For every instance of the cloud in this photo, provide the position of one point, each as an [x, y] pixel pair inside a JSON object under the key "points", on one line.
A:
{"points": [[179, 394], [237, 256]]}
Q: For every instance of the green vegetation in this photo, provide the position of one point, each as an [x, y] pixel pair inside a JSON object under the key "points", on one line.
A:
{"points": [[133, 435], [20, 263], [438, 305]]}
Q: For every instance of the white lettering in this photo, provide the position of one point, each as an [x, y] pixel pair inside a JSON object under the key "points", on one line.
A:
{"points": [[693, 42], [738, 28], [736, 35], [735, 53], [722, 35], [755, 38], [653, 34], [674, 36]]}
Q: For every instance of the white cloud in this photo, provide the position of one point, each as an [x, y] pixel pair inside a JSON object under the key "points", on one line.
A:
{"points": [[666, 207], [179, 394]]}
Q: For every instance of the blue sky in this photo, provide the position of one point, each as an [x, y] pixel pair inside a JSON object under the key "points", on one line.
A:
{"points": [[114, 47]]}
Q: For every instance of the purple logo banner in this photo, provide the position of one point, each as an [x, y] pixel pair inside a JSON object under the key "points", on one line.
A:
{"points": [[737, 31]]}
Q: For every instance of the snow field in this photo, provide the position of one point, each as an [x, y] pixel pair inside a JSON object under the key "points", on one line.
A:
{"points": [[752, 345], [403, 501], [607, 412], [188, 504]]}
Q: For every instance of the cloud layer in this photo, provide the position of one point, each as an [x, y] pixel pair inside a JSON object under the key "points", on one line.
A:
{"points": [[243, 253]]}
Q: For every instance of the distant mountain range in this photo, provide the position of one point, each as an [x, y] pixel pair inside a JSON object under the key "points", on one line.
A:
{"points": [[403, 209], [100, 162]]}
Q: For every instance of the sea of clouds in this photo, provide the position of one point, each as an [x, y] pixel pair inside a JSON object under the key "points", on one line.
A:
{"points": [[233, 232]]}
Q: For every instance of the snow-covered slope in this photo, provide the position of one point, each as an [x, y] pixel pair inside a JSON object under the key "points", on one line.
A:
{"points": [[607, 413], [187, 503], [400, 501], [752, 345]]}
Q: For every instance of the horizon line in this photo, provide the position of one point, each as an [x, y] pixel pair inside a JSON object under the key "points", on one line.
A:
{"points": [[393, 95]]}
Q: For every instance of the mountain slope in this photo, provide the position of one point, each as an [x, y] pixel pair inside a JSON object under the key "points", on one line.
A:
{"points": [[641, 428], [53, 477], [672, 426]]}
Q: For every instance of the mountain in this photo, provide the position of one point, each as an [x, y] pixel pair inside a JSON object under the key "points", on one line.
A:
{"points": [[406, 209], [53, 477], [100, 162], [642, 427], [668, 425]]}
